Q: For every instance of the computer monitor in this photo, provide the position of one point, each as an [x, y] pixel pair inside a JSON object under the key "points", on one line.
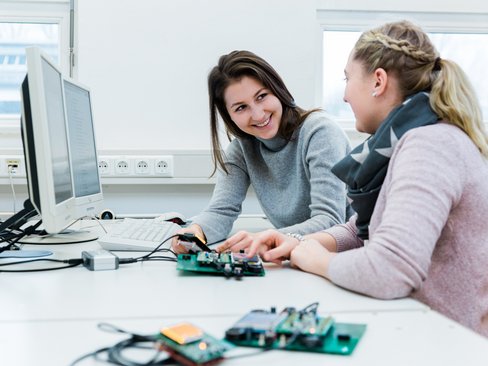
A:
{"points": [[46, 144], [59, 148], [82, 145]]}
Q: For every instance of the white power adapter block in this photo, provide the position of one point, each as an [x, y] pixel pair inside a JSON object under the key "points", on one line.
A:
{"points": [[99, 260]]}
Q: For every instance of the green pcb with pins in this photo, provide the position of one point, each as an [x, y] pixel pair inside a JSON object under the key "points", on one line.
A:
{"points": [[189, 345], [226, 264], [295, 330]]}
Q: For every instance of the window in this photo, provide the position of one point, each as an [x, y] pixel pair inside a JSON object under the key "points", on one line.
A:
{"points": [[459, 42], [14, 38], [23, 24]]}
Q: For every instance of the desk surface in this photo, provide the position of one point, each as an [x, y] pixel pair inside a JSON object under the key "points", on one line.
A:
{"points": [[157, 289], [40, 310], [400, 338]]}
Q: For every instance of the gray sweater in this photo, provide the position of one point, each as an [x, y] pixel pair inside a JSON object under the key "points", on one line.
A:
{"points": [[428, 238], [292, 180]]}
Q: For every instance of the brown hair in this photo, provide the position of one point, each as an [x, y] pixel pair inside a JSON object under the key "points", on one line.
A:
{"points": [[232, 67], [405, 50]]}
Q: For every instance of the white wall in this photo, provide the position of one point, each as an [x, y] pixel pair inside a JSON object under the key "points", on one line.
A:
{"points": [[147, 61]]}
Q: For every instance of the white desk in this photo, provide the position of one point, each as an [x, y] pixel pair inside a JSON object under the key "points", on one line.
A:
{"points": [[54, 314], [157, 289], [400, 338]]}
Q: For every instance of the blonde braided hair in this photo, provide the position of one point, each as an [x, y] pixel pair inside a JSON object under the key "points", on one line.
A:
{"points": [[405, 50]]}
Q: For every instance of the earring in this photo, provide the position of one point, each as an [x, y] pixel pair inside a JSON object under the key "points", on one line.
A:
{"points": [[373, 94]]}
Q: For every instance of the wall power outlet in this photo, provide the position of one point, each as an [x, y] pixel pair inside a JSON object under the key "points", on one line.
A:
{"points": [[12, 166], [154, 166]]}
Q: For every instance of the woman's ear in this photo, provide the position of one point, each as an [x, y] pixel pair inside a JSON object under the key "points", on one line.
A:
{"points": [[380, 78]]}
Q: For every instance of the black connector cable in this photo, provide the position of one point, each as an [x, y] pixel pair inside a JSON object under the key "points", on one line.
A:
{"points": [[149, 256], [73, 262], [10, 229], [11, 237], [115, 353]]}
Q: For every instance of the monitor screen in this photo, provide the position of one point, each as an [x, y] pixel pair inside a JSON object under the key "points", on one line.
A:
{"points": [[84, 160], [56, 128]]}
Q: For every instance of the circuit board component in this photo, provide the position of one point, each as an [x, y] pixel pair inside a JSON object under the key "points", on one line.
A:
{"points": [[191, 346], [295, 330], [226, 264]]}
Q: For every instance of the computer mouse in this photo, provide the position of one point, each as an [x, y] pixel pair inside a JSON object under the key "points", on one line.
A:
{"points": [[172, 216]]}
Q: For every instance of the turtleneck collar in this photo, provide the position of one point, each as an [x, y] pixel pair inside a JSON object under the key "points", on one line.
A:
{"points": [[275, 144]]}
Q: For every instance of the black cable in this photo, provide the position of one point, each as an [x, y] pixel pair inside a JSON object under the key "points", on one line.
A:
{"points": [[73, 262], [28, 231], [77, 261], [159, 246], [250, 354], [44, 234], [17, 236], [148, 257], [161, 258], [93, 354], [311, 308], [18, 219], [115, 352], [217, 241]]}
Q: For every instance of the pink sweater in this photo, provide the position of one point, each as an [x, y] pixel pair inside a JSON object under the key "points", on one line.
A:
{"points": [[428, 238]]}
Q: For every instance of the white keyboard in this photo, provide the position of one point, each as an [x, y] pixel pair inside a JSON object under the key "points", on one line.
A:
{"points": [[138, 235]]}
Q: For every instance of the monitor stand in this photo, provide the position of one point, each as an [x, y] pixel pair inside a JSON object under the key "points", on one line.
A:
{"points": [[67, 236], [16, 221]]}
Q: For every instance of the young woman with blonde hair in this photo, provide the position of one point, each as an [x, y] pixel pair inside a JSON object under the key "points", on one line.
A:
{"points": [[418, 184]]}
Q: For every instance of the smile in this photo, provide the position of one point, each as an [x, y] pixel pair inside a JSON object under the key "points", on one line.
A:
{"points": [[264, 124]]}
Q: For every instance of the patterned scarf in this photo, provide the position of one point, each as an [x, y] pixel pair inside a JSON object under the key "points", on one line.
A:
{"points": [[364, 169]]}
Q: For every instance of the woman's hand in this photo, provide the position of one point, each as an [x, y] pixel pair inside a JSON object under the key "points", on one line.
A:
{"points": [[271, 245], [175, 243], [237, 242], [311, 256]]}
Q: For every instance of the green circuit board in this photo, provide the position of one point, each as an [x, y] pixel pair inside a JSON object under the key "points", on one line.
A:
{"points": [[225, 264], [190, 346], [295, 331]]}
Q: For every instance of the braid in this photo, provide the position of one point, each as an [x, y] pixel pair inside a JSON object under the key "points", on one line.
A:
{"points": [[403, 46], [404, 50]]}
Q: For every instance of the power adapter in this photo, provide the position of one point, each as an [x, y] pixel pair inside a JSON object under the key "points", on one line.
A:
{"points": [[99, 260]]}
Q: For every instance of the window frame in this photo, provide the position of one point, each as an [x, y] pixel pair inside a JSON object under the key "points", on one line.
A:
{"points": [[360, 20], [37, 11]]}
